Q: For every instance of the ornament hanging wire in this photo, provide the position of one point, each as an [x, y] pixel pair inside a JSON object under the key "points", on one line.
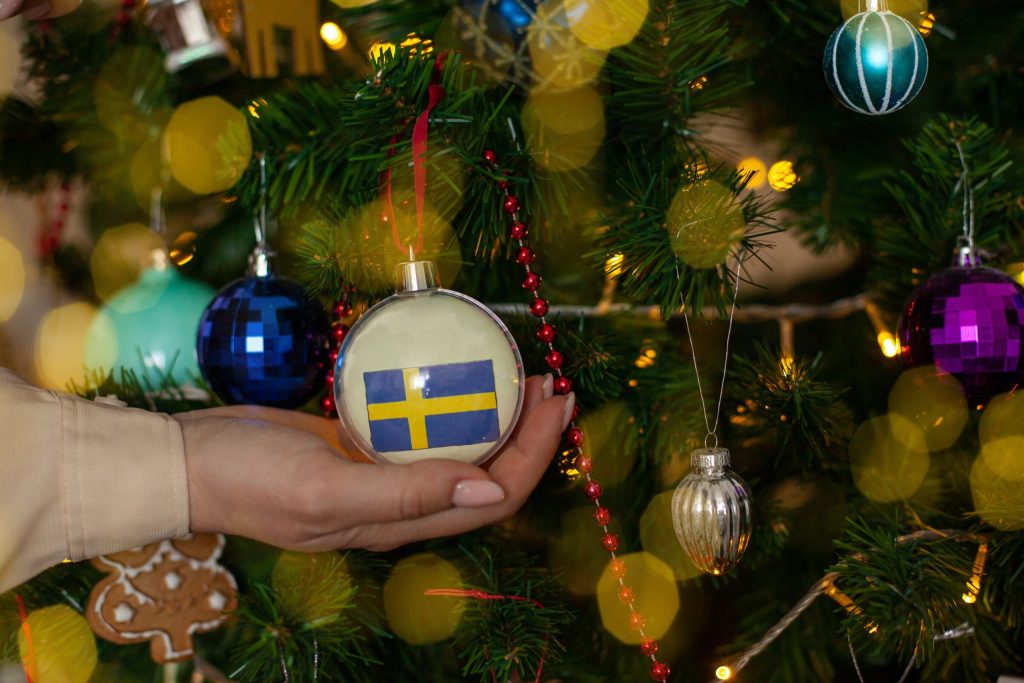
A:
{"points": [[856, 665], [965, 180], [259, 261], [712, 430]]}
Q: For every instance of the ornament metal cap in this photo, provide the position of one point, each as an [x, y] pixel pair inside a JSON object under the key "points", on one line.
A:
{"points": [[966, 256], [415, 276], [259, 261], [710, 460]]}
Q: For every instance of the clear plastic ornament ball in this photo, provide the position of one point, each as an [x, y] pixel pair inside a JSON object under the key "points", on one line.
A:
{"points": [[428, 373]]}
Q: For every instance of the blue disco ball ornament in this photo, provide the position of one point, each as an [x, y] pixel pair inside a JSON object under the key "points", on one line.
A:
{"points": [[263, 341], [876, 62]]}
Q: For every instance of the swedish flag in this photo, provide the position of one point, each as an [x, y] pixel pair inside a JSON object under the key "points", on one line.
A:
{"points": [[432, 406]]}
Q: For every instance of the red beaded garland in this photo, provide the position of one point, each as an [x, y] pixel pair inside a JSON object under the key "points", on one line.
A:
{"points": [[575, 412], [637, 621], [554, 358], [575, 436], [618, 568], [539, 308], [584, 463], [525, 256], [518, 230], [603, 516], [327, 403], [339, 332], [592, 490], [563, 385], [610, 542], [490, 157], [660, 671], [511, 204], [531, 282], [649, 647], [627, 596], [546, 333]]}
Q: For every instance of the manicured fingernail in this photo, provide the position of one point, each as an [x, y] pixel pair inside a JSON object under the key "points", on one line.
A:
{"points": [[37, 10], [8, 8], [474, 493], [569, 405], [549, 386]]}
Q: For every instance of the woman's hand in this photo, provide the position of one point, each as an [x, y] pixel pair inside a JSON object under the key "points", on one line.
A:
{"points": [[37, 9], [283, 478]]}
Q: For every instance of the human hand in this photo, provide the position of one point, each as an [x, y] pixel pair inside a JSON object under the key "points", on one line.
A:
{"points": [[37, 9], [283, 478]]}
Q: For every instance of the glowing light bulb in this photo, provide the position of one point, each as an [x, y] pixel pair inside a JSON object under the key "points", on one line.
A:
{"points": [[332, 34], [781, 176], [756, 168], [723, 673], [378, 49], [887, 342], [977, 571], [613, 266], [926, 23], [698, 83]]}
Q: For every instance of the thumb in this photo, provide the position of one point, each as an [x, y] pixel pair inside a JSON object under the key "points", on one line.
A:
{"points": [[393, 493]]}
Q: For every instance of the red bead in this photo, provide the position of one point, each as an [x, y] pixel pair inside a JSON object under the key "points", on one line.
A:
{"points": [[603, 515], [531, 282], [554, 358], [490, 157], [626, 595], [525, 256], [546, 333], [610, 542], [511, 204], [563, 385], [660, 671], [327, 403], [124, 18], [330, 379], [333, 356], [540, 308], [637, 621], [575, 413], [649, 647], [575, 436], [592, 490], [503, 184], [618, 568], [518, 230], [584, 464], [339, 332]]}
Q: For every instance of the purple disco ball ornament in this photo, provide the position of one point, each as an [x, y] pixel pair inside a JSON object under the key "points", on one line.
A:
{"points": [[967, 321]]}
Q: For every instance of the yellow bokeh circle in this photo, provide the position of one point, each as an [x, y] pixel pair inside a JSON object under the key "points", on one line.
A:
{"points": [[998, 501], [658, 537], [934, 402], [120, 256], [565, 129], [1005, 457], [12, 279], [704, 223], [311, 587], [889, 458], [657, 598], [605, 24], [57, 646], [782, 176], [1003, 417], [207, 145], [60, 346], [756, 167], [612, 439], [413, 616], [575, 553], [557, 56]]}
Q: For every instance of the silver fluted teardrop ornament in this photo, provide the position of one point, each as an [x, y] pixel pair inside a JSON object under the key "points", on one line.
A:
{"points": [[711, 512]]}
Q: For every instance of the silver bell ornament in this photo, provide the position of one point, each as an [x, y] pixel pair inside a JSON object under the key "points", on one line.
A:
{"points": [[711, 512]]}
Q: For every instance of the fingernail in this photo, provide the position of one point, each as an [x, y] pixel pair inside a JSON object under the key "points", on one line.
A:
{"points": [[549, 386], [474, 493], [8, 8], [37, 10], [569, 405]]}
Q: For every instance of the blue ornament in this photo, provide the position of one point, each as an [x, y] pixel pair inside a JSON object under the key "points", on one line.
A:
{"points": [[876, 62], [263, 341], [150, 328]]}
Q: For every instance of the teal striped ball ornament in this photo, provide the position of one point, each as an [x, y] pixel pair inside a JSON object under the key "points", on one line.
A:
{"points": [[876, 62]]}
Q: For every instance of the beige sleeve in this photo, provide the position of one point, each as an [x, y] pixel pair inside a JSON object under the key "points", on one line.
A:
{"points": [[80, 479]]}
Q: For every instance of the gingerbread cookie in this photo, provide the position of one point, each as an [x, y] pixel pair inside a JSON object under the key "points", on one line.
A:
{"points": [[164, 593]]}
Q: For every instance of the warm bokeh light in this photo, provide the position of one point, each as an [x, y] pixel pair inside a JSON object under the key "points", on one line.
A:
{"points": [[888, 344], [333, 36], [658, 537], [309, 587], [60, 345], [925, 23], [889, 458], [575, 556], [973, 588], [564, 130], [613, 266], [1003, 417], [557, 56], [183, 248], [120, 256], [417, 618], [934, 402], [998, 501], [12, 279], [207, 145], [908, 9], [782, 176], [704, 223], [723, 673], [612, 441], [755, 166], [381, 48], [1016, 271], [1005, 457], [697, 84], [413, 44], [605, 24], [57, 646], [657, 597], [124, 91], [352, 4]]}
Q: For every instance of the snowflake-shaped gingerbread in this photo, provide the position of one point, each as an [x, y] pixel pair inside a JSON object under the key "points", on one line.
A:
{"points": [[163, 592]]}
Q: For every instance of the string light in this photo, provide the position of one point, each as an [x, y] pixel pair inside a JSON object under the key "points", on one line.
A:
{"points": [[847, 603], [974, 583], [698, 83], [723, 673], [926, 23], [413, 44], [332, 34], [887, 342], [378, 49], [782, 176]]}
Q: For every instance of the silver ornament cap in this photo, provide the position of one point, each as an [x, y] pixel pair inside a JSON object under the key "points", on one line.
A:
{"points": [[711, 512]]}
